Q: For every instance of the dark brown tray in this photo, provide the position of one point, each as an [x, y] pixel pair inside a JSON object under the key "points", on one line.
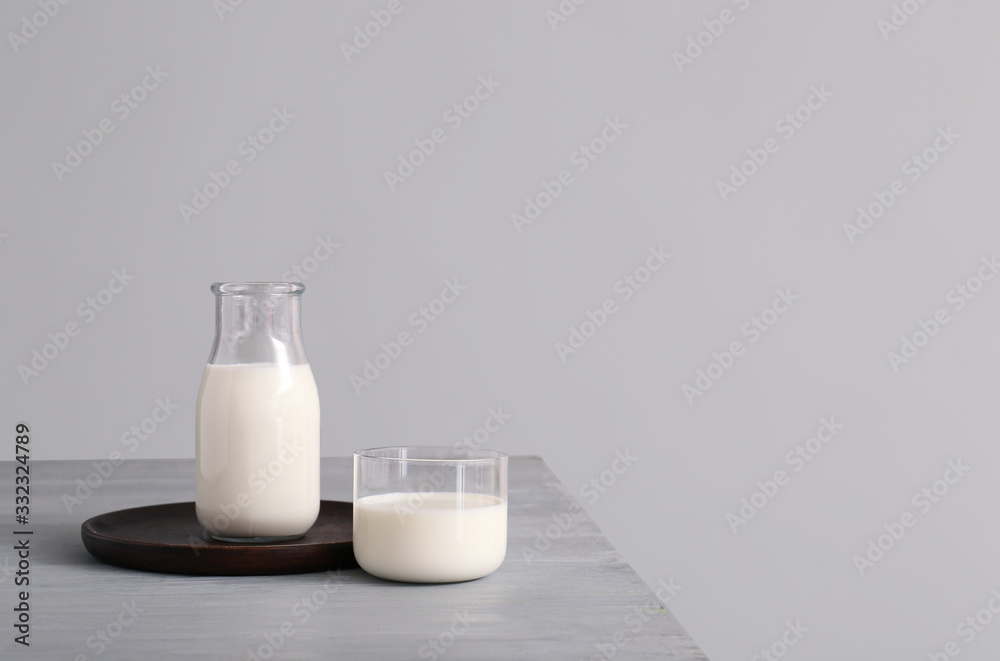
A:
{"points": [[168, 538]]}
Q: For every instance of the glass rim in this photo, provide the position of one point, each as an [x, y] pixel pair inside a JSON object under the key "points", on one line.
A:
{"points": [[453, 457], [256, 288]]}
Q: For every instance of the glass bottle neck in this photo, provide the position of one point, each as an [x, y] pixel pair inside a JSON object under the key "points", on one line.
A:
{"points": [[257, 323]]}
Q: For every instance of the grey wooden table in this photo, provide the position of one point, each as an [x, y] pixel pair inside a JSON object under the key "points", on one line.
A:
{"points": [[571, 597]]}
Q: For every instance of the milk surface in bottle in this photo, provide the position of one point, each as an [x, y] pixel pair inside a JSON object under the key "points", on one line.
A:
{"points": [[258, 450]]}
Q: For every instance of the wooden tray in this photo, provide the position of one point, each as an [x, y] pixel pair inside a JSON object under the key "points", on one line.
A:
{"points": [[168, 538]]}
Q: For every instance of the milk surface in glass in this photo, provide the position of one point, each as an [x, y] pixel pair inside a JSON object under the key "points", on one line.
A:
{"points": [[430, 537]]}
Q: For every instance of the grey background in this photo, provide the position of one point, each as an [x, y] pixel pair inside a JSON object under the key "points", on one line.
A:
{"points": [[323, 176]]}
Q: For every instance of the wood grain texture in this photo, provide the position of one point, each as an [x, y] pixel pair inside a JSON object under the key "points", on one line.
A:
{"points": [[558, 604]]}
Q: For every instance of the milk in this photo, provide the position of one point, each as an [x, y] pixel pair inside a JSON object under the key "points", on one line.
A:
{"points": [[430, 537], [257, 449]]}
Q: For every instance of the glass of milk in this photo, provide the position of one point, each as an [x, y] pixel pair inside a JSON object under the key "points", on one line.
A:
{"points": [[430, 514], [257, 421]]}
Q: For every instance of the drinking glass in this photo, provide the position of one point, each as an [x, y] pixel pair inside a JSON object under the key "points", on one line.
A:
{"points": [[430, 514]]}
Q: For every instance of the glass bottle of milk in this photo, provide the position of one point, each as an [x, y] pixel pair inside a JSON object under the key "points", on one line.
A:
{"points": [[257, 423]]}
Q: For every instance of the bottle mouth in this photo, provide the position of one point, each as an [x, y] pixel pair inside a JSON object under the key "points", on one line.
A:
{"points": [[257, 288]]}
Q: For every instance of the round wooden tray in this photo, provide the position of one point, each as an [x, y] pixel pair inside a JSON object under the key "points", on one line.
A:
{"points": [[168, 538]]}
